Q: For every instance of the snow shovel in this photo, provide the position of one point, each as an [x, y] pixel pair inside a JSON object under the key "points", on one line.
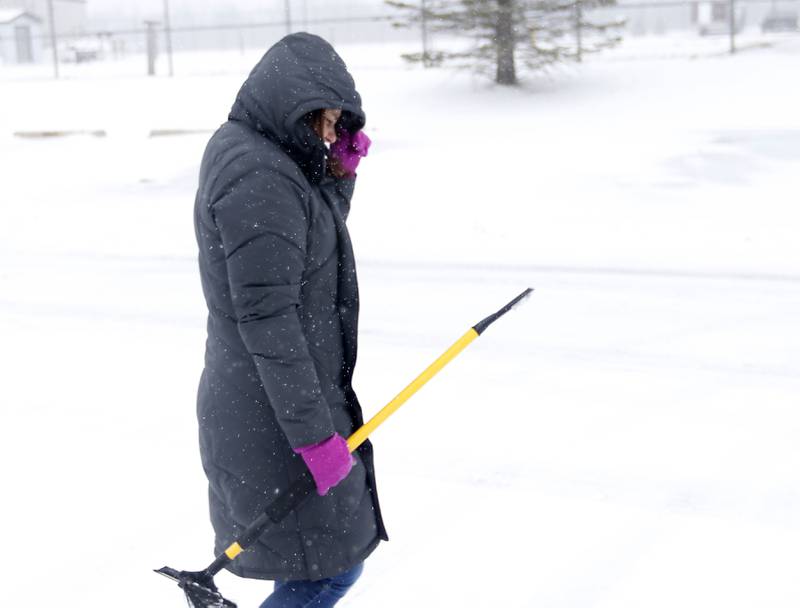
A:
{"points": [[199, 587]]}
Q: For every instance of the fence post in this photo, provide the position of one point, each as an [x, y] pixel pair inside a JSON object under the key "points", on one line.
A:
{"points": [[53, 36], [152, 47], [168, 32], [288, 16]]}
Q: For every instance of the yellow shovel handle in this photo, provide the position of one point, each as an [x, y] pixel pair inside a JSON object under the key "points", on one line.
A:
{"points": [[303, 486], [357, 438]]}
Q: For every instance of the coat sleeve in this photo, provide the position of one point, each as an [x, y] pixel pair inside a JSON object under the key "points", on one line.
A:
{"points": [[263, 225]]}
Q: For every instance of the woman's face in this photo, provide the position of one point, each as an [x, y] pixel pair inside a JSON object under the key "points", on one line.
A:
{"points": [[325, 125]]}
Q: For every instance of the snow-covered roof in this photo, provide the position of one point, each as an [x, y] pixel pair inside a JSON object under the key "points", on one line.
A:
{"points": [[7, 15]]}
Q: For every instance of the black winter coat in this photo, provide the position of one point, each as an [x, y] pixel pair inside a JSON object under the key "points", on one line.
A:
{"points": [[279, 279]]}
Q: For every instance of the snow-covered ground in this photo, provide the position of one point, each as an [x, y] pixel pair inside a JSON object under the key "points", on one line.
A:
{"points": [[628, 438]]}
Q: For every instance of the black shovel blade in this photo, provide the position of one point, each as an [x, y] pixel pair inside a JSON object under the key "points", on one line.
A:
{"points": [[200, 590]]}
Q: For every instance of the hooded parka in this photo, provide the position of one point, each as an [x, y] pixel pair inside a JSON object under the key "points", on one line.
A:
{"points": [[279, 279]]}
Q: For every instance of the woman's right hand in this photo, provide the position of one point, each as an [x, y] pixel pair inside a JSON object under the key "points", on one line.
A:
{"points": [[329, 461]]}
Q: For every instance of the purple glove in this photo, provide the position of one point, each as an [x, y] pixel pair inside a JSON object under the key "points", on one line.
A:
{"points": [[349, 148], [329, 461]]}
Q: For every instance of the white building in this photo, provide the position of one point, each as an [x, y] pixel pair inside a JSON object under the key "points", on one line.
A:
{"points": [[70, 15], [21, 35]]}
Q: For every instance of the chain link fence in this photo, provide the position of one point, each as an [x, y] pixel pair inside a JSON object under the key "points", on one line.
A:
{"points": [[208, 44]]}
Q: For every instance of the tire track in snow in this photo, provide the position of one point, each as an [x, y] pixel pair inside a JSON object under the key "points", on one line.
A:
{"points": [[421, 268], [621, 271]]}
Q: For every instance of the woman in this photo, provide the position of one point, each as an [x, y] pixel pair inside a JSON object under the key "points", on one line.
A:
{"points": [[279, 279]]}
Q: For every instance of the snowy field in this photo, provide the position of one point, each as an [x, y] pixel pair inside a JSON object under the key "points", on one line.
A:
{"points": [[629, 438]]}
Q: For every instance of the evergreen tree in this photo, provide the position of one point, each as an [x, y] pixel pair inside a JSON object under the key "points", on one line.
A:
{"points": [[505, 33]]}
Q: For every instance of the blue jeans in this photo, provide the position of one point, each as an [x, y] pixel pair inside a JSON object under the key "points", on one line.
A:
{"points": [[323, 593]]}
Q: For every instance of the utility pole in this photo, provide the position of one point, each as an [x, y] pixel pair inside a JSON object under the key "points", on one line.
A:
{"points": [[53, 37], [288, 16], [732, 24], [168, 32]]}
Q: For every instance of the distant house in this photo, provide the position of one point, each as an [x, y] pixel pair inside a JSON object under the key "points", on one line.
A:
{"points": [[714, 17], [71, 17], [21, 35]]}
